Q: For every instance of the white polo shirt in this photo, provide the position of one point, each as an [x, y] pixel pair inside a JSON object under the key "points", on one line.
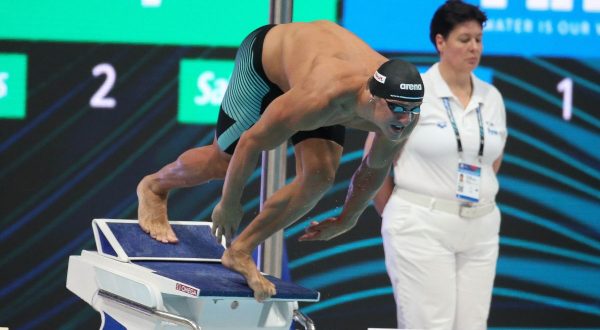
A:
{"points": [[428, 163]]}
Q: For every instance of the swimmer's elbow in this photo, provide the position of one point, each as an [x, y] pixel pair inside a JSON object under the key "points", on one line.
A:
{"points": [[376, 163], [253, 141], [249, 142]]}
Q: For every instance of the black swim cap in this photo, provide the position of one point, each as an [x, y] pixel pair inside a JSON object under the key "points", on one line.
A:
{"points": [[397, 80]]}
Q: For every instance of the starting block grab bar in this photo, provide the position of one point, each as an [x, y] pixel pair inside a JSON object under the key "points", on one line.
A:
{"points": [[147, 310], [299, 317]]}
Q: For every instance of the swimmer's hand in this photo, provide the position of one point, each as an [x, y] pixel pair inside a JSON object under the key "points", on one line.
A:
{"points": [[326, 229], [225, 221]]}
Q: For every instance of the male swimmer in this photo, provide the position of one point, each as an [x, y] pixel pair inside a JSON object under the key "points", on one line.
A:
{"points": [[306, 82]]}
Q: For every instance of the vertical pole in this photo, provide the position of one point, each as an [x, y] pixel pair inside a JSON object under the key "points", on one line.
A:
{"points": [[273, 174]]}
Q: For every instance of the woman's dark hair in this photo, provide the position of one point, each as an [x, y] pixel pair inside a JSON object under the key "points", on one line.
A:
{"points": [[450, 14]]}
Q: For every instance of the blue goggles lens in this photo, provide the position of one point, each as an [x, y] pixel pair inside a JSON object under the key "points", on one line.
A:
{"points": [[397, 108]]}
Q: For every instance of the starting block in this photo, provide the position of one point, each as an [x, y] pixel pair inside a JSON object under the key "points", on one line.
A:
{"points": [[136, 282]]}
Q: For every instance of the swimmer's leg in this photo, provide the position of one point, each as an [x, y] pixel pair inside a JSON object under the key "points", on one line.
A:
{"points": [[193, 167]]}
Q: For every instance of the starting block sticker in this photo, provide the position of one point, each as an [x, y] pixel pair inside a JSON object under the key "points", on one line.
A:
{"points": [[124, 240]]}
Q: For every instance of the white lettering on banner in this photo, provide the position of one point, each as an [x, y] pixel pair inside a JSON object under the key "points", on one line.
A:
{"points": [[591, 6], [562, 5], [565, 86], [3, 85], [100, 99], [151, 3], [545, 27], [537, 4], [210, 93], [509, 24], [494, 4], [412, 87], [573, 28], [587, 6]]}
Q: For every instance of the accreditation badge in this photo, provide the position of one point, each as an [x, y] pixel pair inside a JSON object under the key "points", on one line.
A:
{"points": [[468, 182]]}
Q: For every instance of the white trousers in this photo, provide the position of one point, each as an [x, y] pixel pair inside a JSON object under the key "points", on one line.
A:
{"points": [[441, 266]]}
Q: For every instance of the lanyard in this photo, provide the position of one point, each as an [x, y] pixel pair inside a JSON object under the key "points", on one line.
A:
{"points": [[453, 122]]}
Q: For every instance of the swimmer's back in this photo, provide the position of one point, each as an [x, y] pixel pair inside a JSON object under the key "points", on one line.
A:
{"points": [[292, 50]]}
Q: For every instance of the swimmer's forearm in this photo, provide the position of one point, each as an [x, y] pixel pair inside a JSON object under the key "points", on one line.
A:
{"points": [[365, 184], [242, 164], [383, 194]]}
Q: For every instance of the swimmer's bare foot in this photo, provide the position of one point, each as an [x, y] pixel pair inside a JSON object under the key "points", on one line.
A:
{"points": [[152, 213], [242, 263]]}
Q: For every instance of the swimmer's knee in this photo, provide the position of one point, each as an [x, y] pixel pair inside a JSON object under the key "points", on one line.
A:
{"points": [[208, 162], [221, 162]]}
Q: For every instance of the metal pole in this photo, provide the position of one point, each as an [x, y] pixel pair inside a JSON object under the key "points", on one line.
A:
{"points": [[273, 168]]}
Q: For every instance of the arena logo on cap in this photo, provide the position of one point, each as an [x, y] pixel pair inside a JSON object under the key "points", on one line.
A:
{"points": [[411, 87], [379, 77]]}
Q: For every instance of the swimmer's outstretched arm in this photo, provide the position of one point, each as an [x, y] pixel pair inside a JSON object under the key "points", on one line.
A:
{"points": [[383, 194], [365, 183], [283, 117]]}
